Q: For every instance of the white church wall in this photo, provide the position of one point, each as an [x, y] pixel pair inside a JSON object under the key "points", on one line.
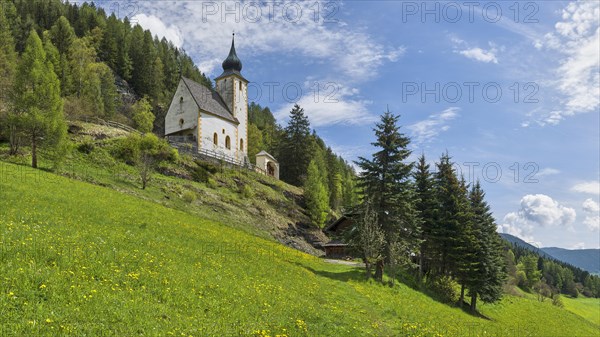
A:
{"points": [[180, 110], [209, 125]]}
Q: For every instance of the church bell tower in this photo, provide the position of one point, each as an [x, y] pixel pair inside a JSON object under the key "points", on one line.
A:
{"points": [[233, 88]]}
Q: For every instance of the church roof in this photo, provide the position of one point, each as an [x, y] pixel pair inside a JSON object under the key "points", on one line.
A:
{"points": [[209, 100], [266, 154]]}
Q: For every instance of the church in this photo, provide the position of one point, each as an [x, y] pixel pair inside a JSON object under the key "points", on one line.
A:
{"points": [[215, 122]]}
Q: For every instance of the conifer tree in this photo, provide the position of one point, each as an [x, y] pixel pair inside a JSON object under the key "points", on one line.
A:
{"points": [[490, 265], [386, 181], [38, 107], [295, 152], [315, 195], [426, 204]]}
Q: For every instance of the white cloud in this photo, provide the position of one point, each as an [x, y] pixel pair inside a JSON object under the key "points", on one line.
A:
{"points": [[480, 55], [544, 211], [547, 172], [335, 107], [578, 245], [592, 211], [589, 187], [537, 210], [207, 28], [158, 27], [577, 39], [426, 130], [475, 53], [591, 206]]}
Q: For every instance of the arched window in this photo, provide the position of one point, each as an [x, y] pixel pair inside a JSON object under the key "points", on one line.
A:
{"points": [[228, 143], [240, 85], [216, 139], [241, 145]]}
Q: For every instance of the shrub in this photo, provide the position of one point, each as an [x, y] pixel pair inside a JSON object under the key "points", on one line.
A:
{"points": [[557, 301], [200, 174], [247, 191], [208, 167], [86, 146], [210, 182], [445, 288], [189, 196]]}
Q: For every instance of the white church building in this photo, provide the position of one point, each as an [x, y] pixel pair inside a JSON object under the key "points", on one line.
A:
{"points": [[215, 122]]}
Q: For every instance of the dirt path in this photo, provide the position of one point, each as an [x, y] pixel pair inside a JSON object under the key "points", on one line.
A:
{"points": [[344, 262]]}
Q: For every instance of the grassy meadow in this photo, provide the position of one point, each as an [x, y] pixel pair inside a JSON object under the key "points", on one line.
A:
{"points": [[80, 259]]}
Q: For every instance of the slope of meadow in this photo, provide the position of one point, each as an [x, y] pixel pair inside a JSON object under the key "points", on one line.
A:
{"points": [[80, 259]]}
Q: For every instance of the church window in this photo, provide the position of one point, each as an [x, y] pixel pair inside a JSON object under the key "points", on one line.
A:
{"points": [[223, 131], [240, 85], [181, 122], [241, 144], [228, 143], [181, 100], [216, 139]]}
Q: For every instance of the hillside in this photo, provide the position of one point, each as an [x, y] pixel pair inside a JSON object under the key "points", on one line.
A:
{"points": [[519, 242], [242, 199], [83, 259], [586, 259]]}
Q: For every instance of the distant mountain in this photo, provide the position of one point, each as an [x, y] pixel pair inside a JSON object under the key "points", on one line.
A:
{"points": [[587, 259], [519, 242]]}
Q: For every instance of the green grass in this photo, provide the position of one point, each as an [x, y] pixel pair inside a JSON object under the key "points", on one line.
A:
{"points": [[588, 308], [79, 259]]}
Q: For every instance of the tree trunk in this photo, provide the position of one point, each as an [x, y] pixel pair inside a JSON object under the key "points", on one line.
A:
{"points": [[462, 296], [367, 269], [379, 271], [474, 302], [33, 151], [420, 267], [13, 140]]}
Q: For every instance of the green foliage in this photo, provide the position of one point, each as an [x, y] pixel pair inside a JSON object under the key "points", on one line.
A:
{"points": [[367, 237], [295, 153], [315, 195], [255, 141], [188, 196], [247, 192], [444, 287], [37, 107], [143, 116], [385, 180], [210, 182], [8, 62]]}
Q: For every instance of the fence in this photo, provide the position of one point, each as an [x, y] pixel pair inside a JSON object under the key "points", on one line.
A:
{"points": [[100, 121], [218, 158]]}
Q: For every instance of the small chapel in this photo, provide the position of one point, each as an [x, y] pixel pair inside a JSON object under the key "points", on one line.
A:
{"points": [[215, 121]]}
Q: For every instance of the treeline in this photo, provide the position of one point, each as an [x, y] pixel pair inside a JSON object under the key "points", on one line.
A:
{"points": [[548, 277], [433, 225], [83, 43], [305, 160]]}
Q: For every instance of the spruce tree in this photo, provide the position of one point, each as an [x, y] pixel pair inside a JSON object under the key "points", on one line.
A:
{"points": [[295, 152], [385, 179], [38, 107], [426, 204], [490, 262]]}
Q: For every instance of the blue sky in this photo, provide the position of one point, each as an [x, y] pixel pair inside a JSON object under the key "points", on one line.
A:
{"points": [[511, 91]]}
